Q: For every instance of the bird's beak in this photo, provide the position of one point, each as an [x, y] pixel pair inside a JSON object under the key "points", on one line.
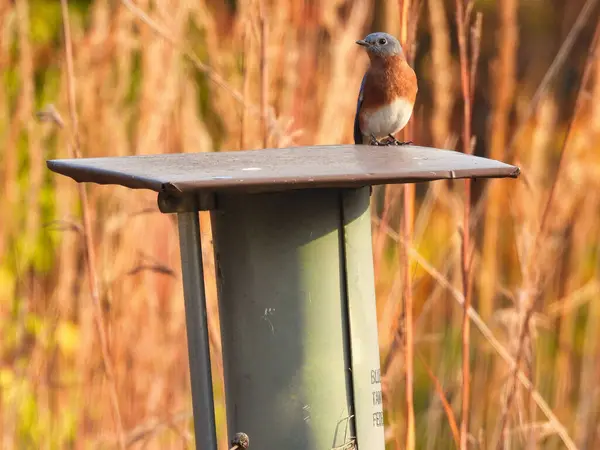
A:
{"points": [[363, 43]]}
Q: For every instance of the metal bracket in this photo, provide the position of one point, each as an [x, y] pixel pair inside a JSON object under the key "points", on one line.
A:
{"points": [[197, 201]]}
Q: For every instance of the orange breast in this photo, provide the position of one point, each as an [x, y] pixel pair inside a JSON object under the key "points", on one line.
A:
{"points": [[388, 79]]}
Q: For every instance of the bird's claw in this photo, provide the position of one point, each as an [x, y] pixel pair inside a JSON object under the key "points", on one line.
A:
{"points": [[393, 141], [374, 141], [389, 140]]}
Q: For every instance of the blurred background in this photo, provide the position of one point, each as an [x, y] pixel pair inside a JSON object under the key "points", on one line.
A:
{"points": [[94, 356]]}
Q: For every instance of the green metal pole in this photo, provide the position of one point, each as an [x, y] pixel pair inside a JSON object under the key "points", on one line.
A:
{"points": [[298, 323]]}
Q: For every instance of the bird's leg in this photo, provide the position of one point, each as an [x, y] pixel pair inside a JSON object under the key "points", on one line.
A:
{"points": [[394, 141], [374, 141]]}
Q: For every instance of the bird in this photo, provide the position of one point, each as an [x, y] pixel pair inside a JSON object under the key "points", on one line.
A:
{"points": [[388, 91]]}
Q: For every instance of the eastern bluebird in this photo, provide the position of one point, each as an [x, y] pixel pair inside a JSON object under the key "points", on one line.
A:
{"points": [[387, 92]]}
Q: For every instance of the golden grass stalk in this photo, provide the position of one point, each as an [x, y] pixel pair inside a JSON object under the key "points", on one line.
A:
{"points": [[588, 383], [504, 81], [467, 82], [245, 84], [264, 75], [87, 232], [445, 404], [407, 40], [441, 60], [407, 226]]}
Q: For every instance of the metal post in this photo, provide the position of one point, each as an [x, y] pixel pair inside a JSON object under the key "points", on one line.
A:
{"points": [[290, 319], [197, 330]]}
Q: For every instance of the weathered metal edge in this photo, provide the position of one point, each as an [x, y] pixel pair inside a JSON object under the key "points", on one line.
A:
{"points": [[135, 182], [258, 185]]}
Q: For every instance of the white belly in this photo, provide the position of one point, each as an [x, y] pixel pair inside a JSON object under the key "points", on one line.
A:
{"points": [[387, 120]]}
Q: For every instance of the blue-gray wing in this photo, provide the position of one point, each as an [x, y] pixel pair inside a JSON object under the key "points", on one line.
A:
{"points": [[358, 136]]}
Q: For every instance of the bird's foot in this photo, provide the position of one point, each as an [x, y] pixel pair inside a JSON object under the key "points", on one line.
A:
{"points": [[393, 141], [388, 140], [374, 141]]}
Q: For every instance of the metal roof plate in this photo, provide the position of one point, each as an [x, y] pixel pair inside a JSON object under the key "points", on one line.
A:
{"points": [[278, 169]]}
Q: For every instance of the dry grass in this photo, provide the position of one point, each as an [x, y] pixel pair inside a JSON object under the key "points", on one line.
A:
{"points": [[93, 329]]}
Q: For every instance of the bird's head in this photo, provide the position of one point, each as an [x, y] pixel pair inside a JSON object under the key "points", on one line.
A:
{"points": [[381, 44]]}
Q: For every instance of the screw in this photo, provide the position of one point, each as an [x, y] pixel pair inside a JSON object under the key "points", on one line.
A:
{"points": [[240, 441]]}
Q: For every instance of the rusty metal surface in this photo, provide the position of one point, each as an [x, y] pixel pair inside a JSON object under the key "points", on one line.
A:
{"points": [[282, 169]]}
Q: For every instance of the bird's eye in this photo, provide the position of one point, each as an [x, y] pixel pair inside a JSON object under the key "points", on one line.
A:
{"points": [[381, 41]]}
